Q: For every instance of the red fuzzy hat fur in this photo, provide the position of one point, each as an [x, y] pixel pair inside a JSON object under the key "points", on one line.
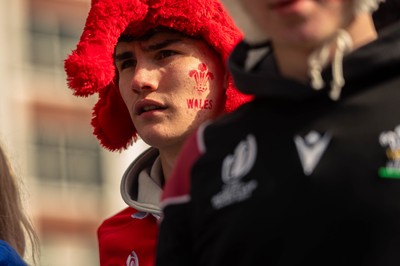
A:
{"points": [[90, 67]]}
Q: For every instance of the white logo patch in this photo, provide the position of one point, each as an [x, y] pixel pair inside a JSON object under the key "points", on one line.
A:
{"points": [[234, 167], [311, 149], [391, 140], [139, 215], [132, 259]]}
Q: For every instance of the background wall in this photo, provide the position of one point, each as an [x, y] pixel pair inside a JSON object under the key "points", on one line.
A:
{"points": [[70, 184]]}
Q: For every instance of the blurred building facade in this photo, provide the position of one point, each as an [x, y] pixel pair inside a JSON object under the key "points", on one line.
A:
{"points": [[70, 183]]}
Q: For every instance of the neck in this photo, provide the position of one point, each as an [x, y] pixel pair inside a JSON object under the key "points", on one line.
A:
{"points": [[292, 61], [168, 158]]}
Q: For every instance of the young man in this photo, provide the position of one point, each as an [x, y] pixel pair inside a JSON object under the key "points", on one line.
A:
{"points": [[160, 70], [308, 173]]}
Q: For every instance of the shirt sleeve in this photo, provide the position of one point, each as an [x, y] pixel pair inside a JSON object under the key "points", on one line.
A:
{"points": [[9, 256]]}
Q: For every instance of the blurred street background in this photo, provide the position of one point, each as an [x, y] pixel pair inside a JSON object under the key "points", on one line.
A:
{"points": [[70, 184]]}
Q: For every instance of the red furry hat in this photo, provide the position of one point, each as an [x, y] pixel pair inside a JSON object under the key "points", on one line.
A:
{"points": [[90, 67]]}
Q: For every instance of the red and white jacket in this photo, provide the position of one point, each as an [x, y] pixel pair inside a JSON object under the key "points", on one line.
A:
{"points": [[129, 237]]}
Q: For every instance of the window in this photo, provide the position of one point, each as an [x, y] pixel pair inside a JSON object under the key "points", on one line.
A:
{"points": [[65, 150], [54, 27]]}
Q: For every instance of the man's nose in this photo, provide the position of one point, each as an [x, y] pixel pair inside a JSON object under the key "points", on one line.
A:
{"points": [[144, 78]]}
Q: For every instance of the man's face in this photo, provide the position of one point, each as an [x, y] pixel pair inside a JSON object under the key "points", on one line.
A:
{"points": [[170, 84], [300, 23]]}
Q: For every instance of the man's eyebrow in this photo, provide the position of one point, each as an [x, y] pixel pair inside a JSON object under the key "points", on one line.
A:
{"points": [[161, 45], [149, 48], [123, 56]]}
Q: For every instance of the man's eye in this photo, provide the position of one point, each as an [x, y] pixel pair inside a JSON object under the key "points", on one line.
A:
{"points": [[127, 64], [164, 54]]}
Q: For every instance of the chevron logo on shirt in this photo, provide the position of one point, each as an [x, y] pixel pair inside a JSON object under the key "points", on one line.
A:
{"points": [[310, 149]]}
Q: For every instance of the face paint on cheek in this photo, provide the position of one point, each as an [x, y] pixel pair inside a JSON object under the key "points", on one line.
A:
{"points": [[199, 104], [201, 77]]}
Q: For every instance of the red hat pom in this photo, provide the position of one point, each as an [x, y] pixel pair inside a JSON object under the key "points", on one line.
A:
{"points": [[90, 67], [111, 120]]}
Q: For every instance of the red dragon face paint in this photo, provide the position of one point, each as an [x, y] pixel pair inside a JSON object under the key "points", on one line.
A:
{"points": [[201, 76]]}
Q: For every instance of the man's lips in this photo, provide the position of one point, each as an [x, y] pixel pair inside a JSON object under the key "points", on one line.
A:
{"points": [[146, 105]]}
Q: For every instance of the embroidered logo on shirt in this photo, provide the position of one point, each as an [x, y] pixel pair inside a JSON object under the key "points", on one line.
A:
{"points": [[234, 167], [139, 215], [391, 140], [132, 259], [310, 149]]}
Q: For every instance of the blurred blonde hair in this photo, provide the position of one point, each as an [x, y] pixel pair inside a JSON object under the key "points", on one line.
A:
{"points": [[15, 226]]}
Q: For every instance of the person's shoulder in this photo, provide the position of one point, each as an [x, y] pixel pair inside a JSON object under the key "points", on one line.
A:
{"points": [[118, 222], [387, 13], [9, 256], [232, 119]]}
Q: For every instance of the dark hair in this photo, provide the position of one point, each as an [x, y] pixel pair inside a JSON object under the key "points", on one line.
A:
{"points": [[150, 33], [387, 13]]}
